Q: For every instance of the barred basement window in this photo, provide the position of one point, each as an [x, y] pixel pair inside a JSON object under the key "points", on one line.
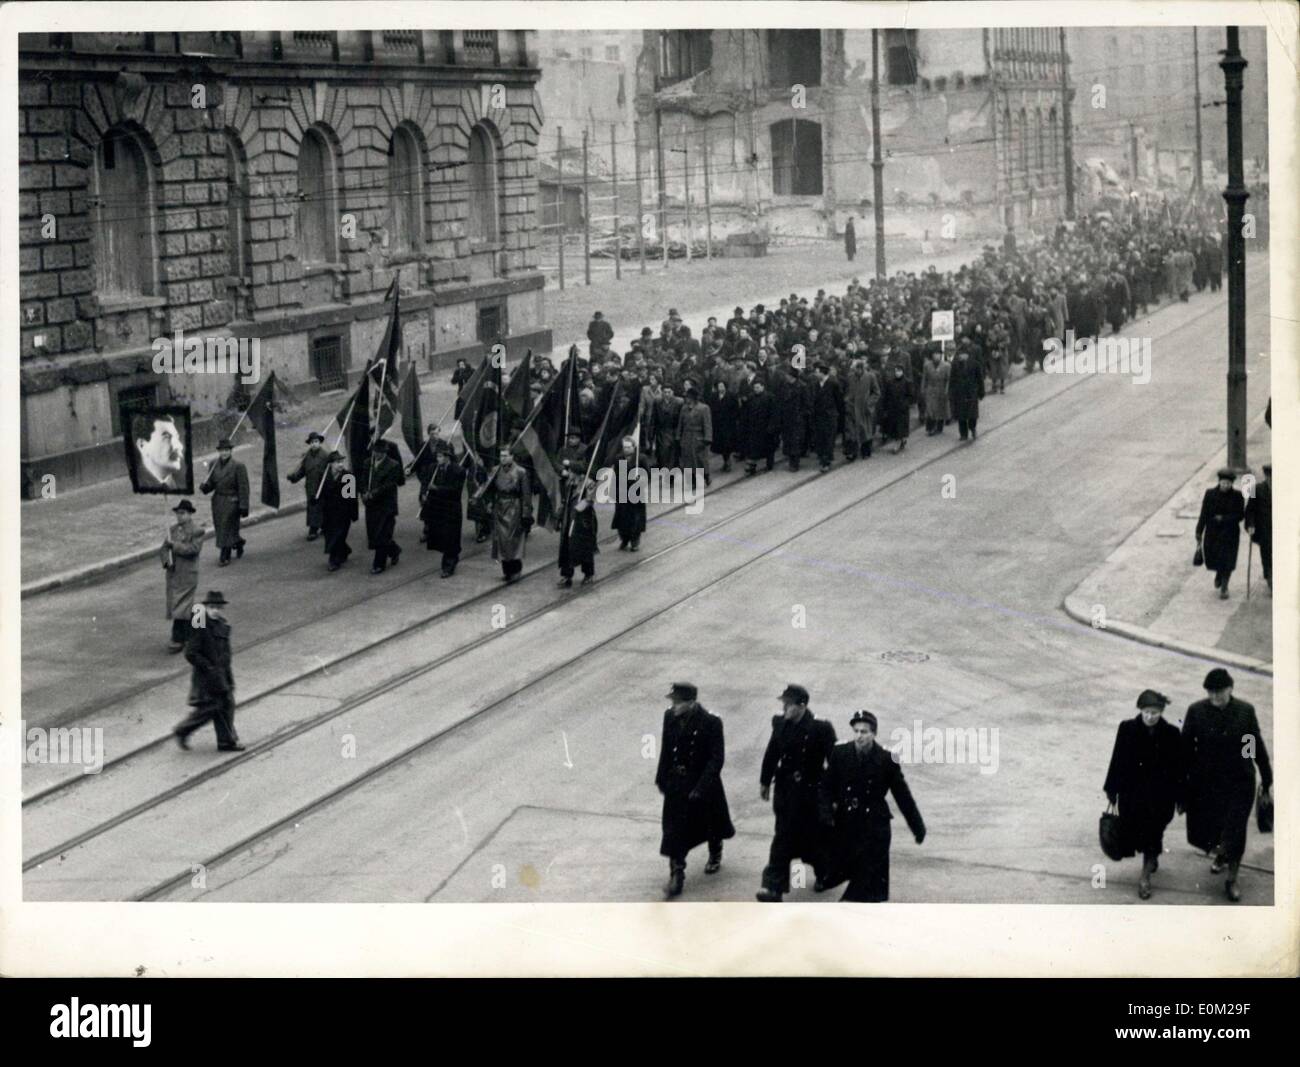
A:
{"points": [[124, 261], [491, 323], [405, 182], [481, 47], [482, 185], [327, 363], [317, 230]]}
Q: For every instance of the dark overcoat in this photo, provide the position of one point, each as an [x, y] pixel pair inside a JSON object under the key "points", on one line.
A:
{"points": [[794, 761], [726, 431], [795, 403], [227, 481], [208, 651], [760, 426], [383, 475], [827, 414], [442, 512], [965, 387], [896, 407], [338, 512], [690, 766], [629, 515], [1259, 516], [1219, 527], [1221, 774], [1146, 777], [312, 466], [180, 555]]}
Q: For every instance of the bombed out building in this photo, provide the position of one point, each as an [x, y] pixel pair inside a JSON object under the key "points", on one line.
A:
{"points": [[266, 185], [971, 128]]}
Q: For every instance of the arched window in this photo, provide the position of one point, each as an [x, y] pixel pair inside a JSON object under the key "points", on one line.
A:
{"points": [[482, 186], [317, 233], [405, 185], [125, 263], [237, 247]]}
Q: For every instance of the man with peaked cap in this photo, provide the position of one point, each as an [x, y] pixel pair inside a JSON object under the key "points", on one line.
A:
{"points": [[227, 481], [853, 807], [212, 684], [180, 560], [689, 776], [338, 503], [440, 510], [795, 759], [1259, 521], [1218, 530], [1145, 779], [312, 467], [1223, 744]]}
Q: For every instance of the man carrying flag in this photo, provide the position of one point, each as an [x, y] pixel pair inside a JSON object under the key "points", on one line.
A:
{"points": [[312, 467]]}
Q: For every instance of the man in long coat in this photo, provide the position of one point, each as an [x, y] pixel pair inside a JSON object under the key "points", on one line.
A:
{"points": [[381, 476], [795, 759], [760, 427], [227, 481], [667, 413], [1145, 778], [510, 500], [850, 240], [689, 776], [694, 436], [1259, 521], [441, 511], [212, 684], [861, 399], [965, 388], [1223, 745], [579, 534], [795, 405], [180, 559], [827, 413], [852, 805], [896, 406], [724, 409], [339, 510], [934, 388], [630, 513], [1218, 528], [312, 467]]}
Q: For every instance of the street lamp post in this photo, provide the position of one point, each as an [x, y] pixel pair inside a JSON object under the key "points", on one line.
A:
{"points": [[1233, 64]]}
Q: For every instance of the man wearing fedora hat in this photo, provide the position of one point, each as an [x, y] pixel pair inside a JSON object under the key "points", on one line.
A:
{"points": [[852, 806], [212, 685], [1223, 745], [1218, 529], [180, 560], [795, 760], [1145, 779], [689, 776], [1259, 522], [227, 481], [312, 466]]}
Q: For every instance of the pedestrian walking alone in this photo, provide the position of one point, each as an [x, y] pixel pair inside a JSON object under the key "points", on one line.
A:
{"points": [[1218, 529], [212, 683], [1259, 522], [850, 240]]}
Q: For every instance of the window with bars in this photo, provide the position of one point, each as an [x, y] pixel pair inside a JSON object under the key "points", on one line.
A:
{"points": [[481, 47], [327, 363], [491, 323]]}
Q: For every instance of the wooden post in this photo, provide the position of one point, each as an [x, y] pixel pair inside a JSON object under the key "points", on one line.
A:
{"points": [[613, 174], [559, 186], [586, 213], [708, 201], [640, 200]]}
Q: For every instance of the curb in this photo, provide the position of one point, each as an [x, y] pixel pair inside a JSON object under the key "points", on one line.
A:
{"points": [[1082, 613]]}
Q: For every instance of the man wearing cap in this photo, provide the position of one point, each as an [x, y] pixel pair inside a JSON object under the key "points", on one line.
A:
{"points": [[853, 807], [1218, 533], [379, 480], [227, 481], [338, 503], [312, 467], [690, 778], [1145, 779], [1223, 744], [180, 560], [212, 683], [1259, 522], [440, 511], [795, 760]]}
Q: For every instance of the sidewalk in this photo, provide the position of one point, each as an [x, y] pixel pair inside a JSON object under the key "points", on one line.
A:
{"points": [[1150, 592]]}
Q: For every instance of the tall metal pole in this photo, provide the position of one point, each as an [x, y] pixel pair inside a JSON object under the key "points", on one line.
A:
{"points": [[559, 185], [640, 199], [613, 174], [1067, 129], [708, 202], [586, 212], [877, 160], [663, 192], [1196, 82], [1233, 64]]}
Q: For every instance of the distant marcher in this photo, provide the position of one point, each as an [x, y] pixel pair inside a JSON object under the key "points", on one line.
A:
{"points": [[965, 390], [441, 511], [934, 388], [180, 559], [1218, 529], [599, 335], [462, 374], [861, 399], [339, 509], [760, 428], [827, 414], [212, 685], [1145, 779], [1223, 745], [227, 481], [896, 407], [312, 467], [1259, 522], [850, 240], [689, 776], [724, 409], [694, 436]]}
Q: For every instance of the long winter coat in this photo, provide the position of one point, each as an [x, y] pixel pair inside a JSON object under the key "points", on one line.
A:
{"points": [[795, 403], [208, 651], [629, 515], [861, 399], [965, 387], [725, 412], [1219, 527], [442, 512], [934, 389], [690, 778], [312, 466], [827, 414], [1220, 777], [180, 555], [760, 426], [1146, 775], [382, 475], [694, 435], [795, 761], [896, 407], [338, 512], [667, 414], [511, 504], [227, 481]]}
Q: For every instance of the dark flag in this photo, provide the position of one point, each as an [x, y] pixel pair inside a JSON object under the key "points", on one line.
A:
{"points": [[261, 416], [478, 416], [519, 397], [391, 344], [354, 424], [541, 440], [620, 420], [408, 407]]}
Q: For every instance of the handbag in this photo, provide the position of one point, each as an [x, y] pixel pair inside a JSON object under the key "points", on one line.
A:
{"points": [[1113, 837], [1264, 811], [1198, 560]]}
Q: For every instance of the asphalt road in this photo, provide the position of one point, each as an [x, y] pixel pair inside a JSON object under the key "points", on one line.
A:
{"points": [[518, 766]]}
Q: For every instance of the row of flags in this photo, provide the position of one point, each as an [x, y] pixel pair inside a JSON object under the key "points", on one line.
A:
{"points": [[495, 413]]}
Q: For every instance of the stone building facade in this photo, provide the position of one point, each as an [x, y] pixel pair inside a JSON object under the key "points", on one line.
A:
{"points": [[263, 185]]}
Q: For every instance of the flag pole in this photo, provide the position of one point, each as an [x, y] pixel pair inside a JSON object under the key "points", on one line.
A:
{"points": [[383, 373], [244, 414], [338, 440]]}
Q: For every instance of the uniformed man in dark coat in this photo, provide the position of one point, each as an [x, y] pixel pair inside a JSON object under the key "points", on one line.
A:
{"points": [[338, 503], [227, 481], [212, 686], [1259, 521], [441, 511], [1218, 529], [379, 480], [312, 468], [852, 805], [1145, 779], [690, 778], [795, 759], [1223, 744]]}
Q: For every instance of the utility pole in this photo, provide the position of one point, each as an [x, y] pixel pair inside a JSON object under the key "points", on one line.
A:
{"points": [[1196, 75], [559, 186], [613, 174], [708, 203], [1067, 129], [1133, 150], [640, 199], [663, 192], [1233, 64], [586, 212], [686, 187], [877, 161]]}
